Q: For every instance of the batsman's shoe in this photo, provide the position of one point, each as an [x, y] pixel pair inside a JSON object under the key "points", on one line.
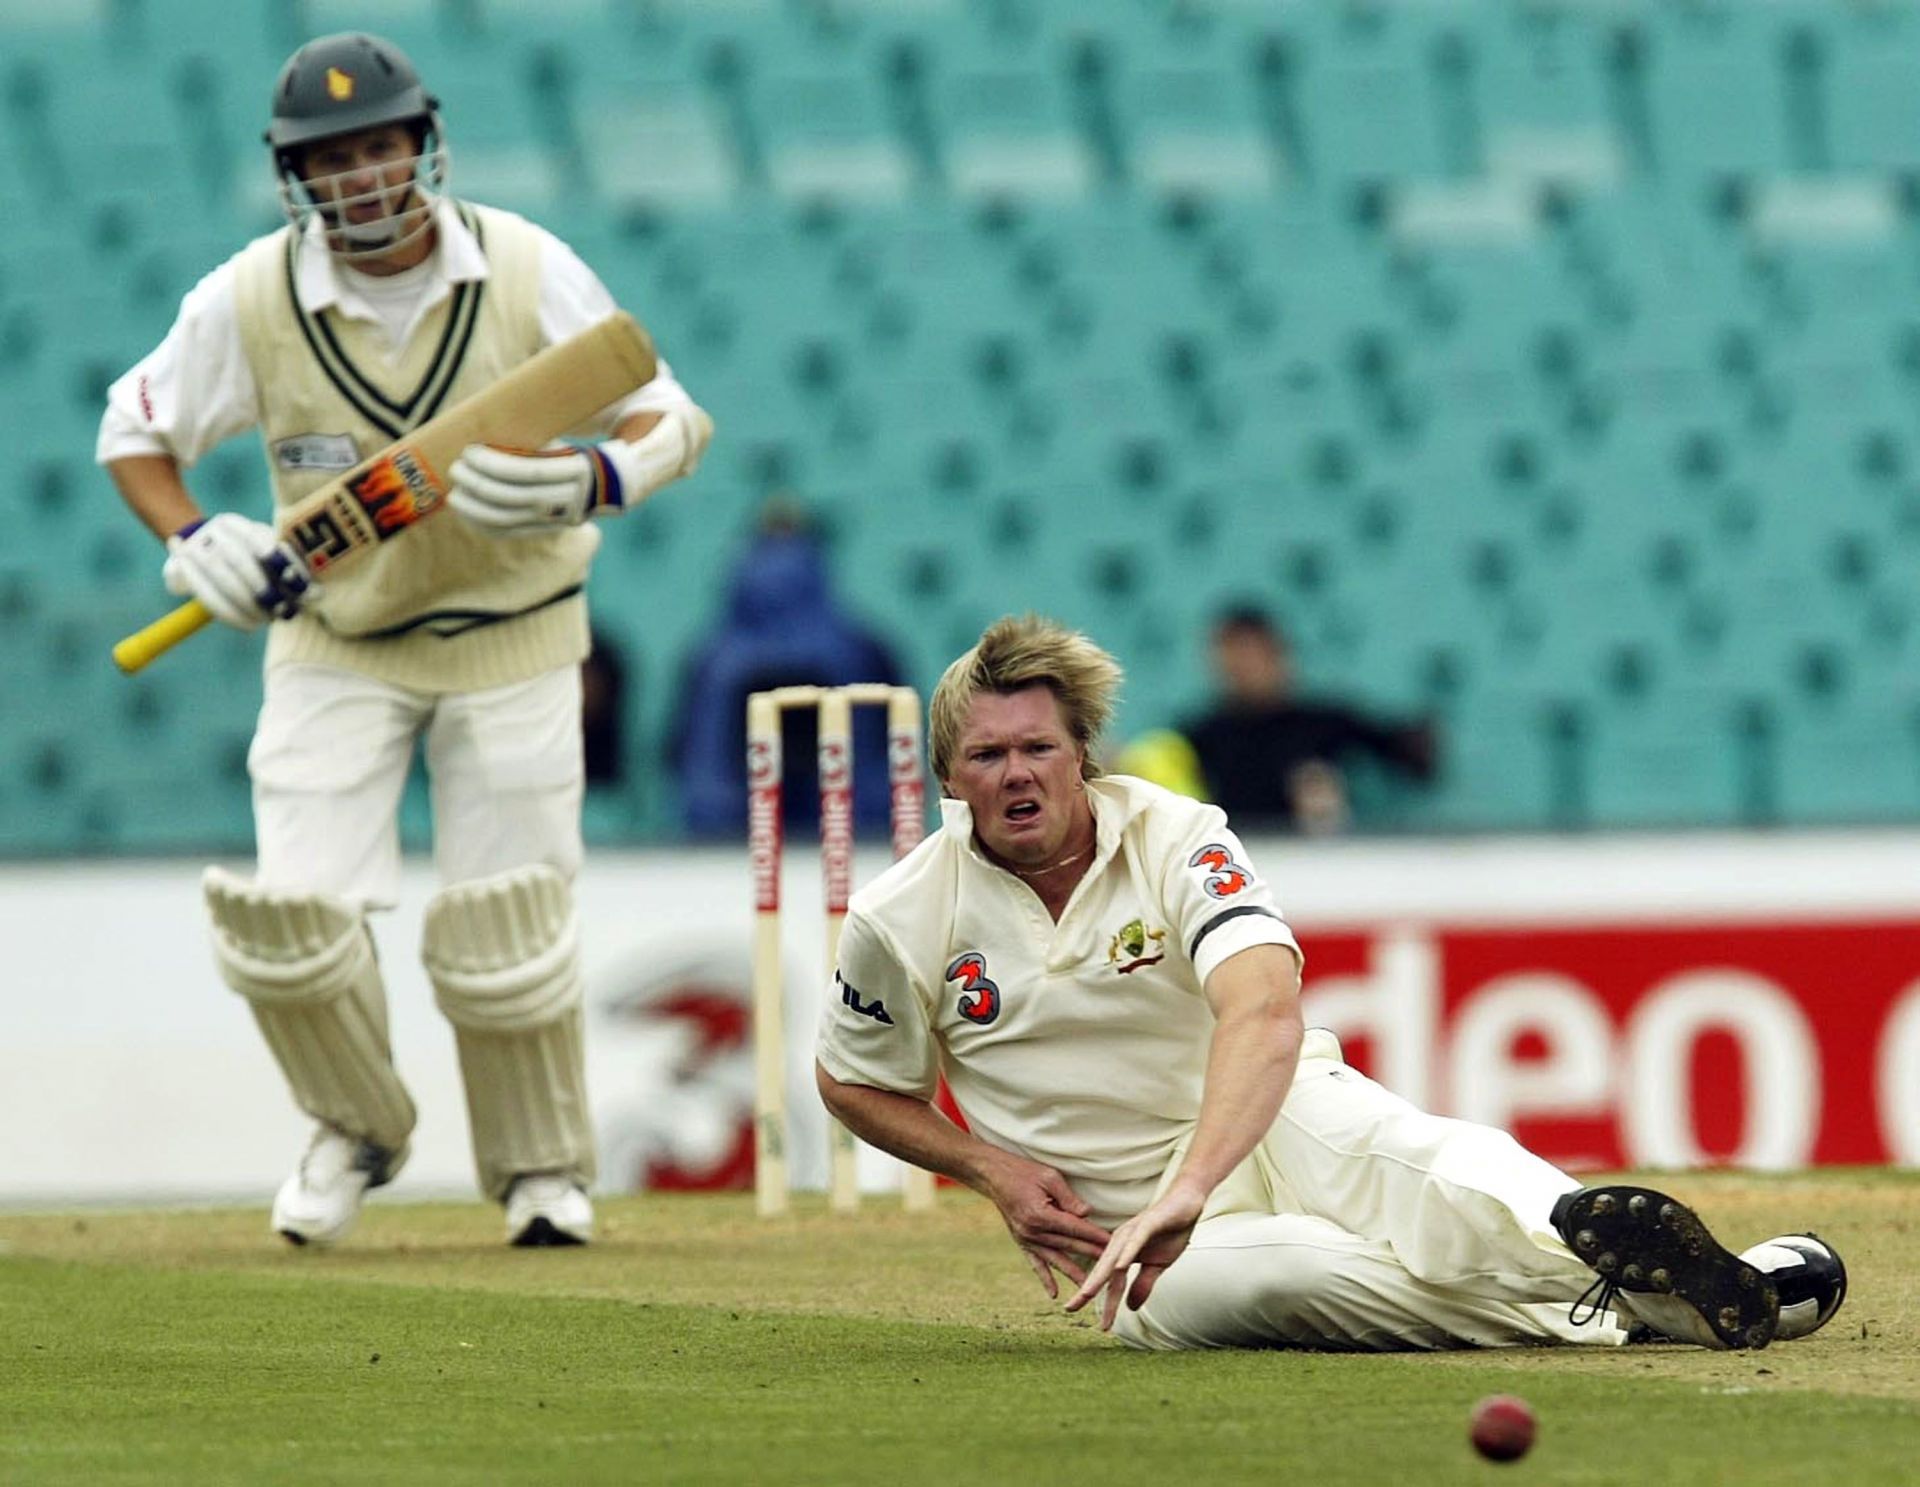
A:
{"points": [[1811, 1277], [1658, 1264], [546, 1210], [319, 1202]]}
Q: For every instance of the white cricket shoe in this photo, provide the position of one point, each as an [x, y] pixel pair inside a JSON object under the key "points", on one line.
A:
{"points": [[319, 1202], [548, 1209], [1812, 1279]]}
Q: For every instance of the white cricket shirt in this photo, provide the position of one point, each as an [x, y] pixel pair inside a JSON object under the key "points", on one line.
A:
{"points": [[1082, 1043], [196, 388]]}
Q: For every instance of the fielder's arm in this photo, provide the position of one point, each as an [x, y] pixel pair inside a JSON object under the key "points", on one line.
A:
{"points": [[1257, 1030], [1047, 1218], [1255, 1047]]}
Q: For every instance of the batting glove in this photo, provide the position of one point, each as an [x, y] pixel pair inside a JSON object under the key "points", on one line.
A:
{"points": [[524, 492], [240, 569]]}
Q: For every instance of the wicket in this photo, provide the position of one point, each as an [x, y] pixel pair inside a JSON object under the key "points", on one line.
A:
{"points": [[765, 833]]}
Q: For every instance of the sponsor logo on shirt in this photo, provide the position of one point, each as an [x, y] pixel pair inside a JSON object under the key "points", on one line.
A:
{"points": [[981, 1002], [1129, 949], [849, 997], [1224, 876], [316, 452]]}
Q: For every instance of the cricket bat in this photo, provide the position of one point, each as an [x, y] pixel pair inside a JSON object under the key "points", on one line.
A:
{"points": [[557, 389]]}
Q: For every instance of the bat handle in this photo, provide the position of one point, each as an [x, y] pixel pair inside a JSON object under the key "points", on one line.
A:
{"points": [[161, 636]]}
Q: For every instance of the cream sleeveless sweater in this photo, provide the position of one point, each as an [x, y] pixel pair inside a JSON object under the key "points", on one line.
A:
{"points": [[440, 608]]}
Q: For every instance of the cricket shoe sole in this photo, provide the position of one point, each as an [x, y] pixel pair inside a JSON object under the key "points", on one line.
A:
{"points": [[1657, 1261]]}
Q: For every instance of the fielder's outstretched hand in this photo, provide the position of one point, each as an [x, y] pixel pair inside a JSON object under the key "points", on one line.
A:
{"points": [[1047, 1219], [1152, 1239], [242, 570]]}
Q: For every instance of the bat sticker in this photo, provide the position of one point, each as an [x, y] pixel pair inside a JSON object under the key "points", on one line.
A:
{"points": [[396, 490]]}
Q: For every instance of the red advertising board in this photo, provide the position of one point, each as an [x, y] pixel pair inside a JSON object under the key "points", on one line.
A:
{"points": [[1766, 1045]]}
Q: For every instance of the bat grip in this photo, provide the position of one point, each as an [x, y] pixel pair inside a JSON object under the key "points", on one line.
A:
{"points": [[161, 636]]}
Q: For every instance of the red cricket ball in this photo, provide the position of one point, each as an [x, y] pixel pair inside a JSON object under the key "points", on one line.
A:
{"points": [[1502, 1427]]}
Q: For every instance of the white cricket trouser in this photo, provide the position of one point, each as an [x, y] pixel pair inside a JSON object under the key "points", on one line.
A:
{"points": [[1364, 1223], [330, 758]]}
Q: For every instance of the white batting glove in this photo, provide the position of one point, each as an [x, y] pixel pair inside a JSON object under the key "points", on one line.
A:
{"points": [[242, 570], [522, 492]]}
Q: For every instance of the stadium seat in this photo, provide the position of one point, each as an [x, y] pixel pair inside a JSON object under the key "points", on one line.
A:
{"points": [[1850, 763], [826, 136], [1664, 760], [1007, 130], [1548, 365]]}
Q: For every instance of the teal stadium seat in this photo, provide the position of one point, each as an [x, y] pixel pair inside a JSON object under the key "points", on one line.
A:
{"points": [[1667, 759], [1872, 113], [1191, 126], [646, 138], [1716, 93], [1007, 129], [1850, 762], [1548, 365], [827, 136], [1352, 92]]}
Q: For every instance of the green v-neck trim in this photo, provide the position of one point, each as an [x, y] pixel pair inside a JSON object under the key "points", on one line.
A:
{"points": [[393, 417]]}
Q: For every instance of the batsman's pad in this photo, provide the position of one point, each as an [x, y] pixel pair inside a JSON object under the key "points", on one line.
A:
{"points": [[306, 966], [504, 957]]}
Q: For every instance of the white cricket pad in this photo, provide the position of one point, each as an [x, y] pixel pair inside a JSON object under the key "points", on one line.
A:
{"points": [[306, 965], [504, 957]]}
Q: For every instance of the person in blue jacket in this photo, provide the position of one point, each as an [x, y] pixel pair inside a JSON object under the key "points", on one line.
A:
{"points": [[784, 626]]}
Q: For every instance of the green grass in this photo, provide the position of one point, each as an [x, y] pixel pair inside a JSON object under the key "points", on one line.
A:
{"points": [[696, 1344]]}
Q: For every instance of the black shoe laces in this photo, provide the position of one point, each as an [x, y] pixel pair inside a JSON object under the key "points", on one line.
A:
{"points": [[1597, 1298]]}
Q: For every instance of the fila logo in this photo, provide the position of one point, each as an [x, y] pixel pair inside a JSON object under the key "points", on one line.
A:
{"points": [[1225, 876], [876, 1009], [981, 1004]]}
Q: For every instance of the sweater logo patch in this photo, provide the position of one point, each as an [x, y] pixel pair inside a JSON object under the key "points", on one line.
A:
{"points": [[316, 452], [1136, 946]]}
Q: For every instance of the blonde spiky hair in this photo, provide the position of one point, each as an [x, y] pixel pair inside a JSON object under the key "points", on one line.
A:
{"points": [[1013, 654]]}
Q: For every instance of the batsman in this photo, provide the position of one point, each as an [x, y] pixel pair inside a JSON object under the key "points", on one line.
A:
{"points": [[383, 301]]}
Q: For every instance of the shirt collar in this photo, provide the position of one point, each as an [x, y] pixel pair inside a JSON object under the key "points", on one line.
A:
{"points": [[457, 254]]}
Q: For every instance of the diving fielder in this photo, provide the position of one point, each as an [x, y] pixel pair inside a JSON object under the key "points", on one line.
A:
{"points": [[383, 301], [1101, 975]]}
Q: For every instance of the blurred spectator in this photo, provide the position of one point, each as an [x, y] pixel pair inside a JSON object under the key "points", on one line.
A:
{"points": [[783, 627], [1273, 759], [603, 712]]}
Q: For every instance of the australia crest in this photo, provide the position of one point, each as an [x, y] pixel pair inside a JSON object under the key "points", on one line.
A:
{"points": [[1136, 946]]}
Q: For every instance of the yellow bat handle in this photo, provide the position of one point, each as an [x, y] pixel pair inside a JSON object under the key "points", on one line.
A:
{"points": [[162, 635]]}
